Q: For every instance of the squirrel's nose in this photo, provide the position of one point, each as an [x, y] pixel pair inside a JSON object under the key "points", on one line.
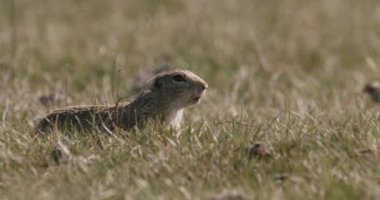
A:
{"points": [[204, 87]]}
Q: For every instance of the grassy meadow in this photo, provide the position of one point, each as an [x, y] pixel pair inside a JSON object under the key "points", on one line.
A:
{"points": [[284, 116]]}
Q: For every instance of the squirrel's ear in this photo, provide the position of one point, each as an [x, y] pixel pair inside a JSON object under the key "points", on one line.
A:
{"points": [[157, 83]]}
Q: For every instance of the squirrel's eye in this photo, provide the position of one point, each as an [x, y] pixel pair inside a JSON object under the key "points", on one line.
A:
{"points": [[178, 78]]}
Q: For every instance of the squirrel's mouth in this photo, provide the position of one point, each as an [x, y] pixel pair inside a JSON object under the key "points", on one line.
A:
{"points": [[195, 99]]}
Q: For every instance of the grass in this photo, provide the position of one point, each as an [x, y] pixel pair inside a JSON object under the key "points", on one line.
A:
{"points": [[286, 74]]}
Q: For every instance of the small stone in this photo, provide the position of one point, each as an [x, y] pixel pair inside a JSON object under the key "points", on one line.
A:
{"points": [[61, 153], [50, 99], [47, 100], [373, 90], [281, 177], [368, 153], [258, 151]]}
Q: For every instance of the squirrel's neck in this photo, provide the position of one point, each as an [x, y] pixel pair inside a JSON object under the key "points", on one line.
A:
{"points": [[175, 118], [153, 105]]}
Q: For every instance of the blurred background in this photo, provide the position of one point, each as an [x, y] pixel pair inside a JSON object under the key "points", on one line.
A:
{"points": [[257, 54], [285, 116]]}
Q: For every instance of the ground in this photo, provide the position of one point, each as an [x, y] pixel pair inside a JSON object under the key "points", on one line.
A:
{"points": [[284, 116]]}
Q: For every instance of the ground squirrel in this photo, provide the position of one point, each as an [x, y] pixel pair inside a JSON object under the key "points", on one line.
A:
{"points": [[164, 99]]}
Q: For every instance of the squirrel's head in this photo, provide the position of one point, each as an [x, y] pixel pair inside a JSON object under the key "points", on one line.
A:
{"points": [[181, 87]]}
